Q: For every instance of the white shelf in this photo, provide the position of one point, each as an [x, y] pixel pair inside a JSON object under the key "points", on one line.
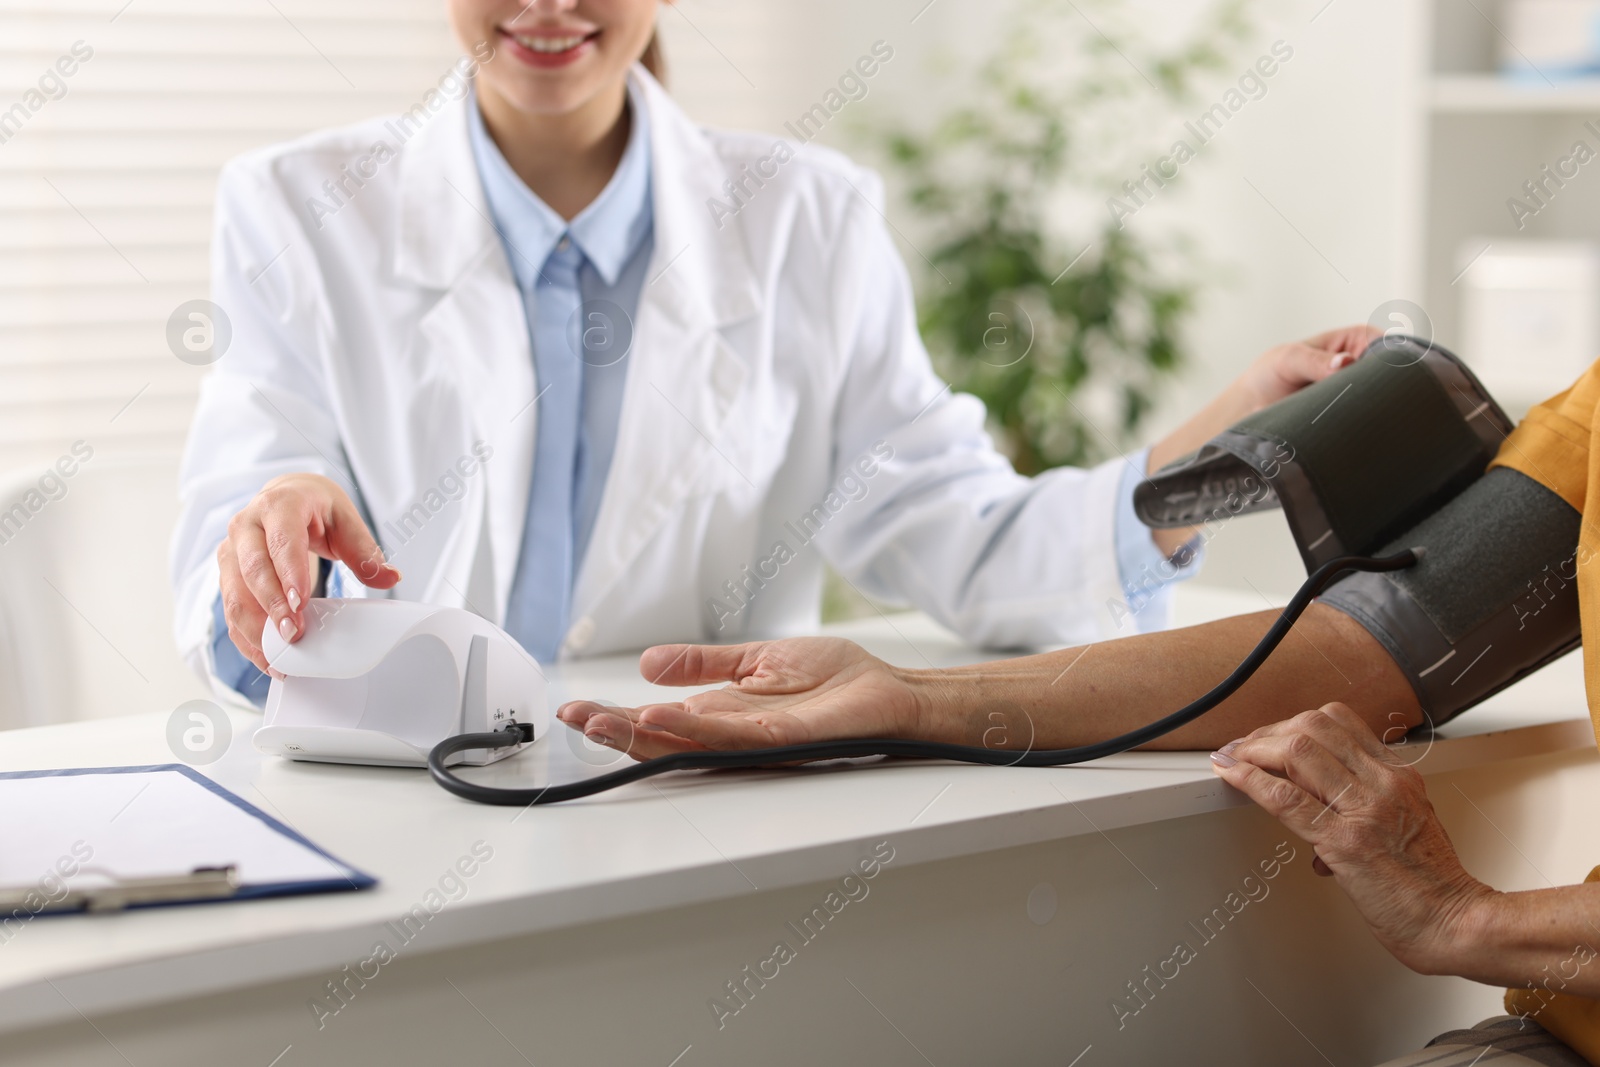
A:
{"points": [[1493, 94], [1516, 396]]}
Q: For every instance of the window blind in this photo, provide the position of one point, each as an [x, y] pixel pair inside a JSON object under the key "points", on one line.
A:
{"points": [[108, 173], [107, 178]]}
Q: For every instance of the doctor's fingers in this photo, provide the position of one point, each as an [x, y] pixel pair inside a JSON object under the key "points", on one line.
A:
{"points": [[244, 616], [337, 531], [1308, 364], [1351, 339], [255, 562]]}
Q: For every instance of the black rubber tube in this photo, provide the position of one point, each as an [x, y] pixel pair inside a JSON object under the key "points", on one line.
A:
{"points": [[821, 750]]}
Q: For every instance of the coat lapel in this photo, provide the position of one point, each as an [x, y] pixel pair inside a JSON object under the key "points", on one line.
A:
{"points": [[475, 332], [683, 376]]}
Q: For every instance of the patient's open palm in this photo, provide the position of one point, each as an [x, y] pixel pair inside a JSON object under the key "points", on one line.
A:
{"points": [[780, 693]]}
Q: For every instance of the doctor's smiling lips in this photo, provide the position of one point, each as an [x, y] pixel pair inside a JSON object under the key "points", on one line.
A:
{"points": [[548, 47], [559, 59], [599, 37]]}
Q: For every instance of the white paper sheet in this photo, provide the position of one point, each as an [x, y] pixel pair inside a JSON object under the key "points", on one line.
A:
{"points": [[144, 824]]}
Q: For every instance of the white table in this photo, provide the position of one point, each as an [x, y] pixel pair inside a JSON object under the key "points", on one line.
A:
{"points": [[1017, 907]]}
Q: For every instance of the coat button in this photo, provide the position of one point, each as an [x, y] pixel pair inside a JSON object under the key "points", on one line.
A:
{"points": [[581, 633]]}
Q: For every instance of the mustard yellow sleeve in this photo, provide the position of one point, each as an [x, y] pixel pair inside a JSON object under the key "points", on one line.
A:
{"points": [[1551, 445]]}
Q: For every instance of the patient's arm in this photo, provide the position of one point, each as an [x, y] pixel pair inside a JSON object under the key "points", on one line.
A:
{"points": [[814, 689]]}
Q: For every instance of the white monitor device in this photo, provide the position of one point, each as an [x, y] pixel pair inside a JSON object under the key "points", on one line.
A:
{"points": [[383, 681]]}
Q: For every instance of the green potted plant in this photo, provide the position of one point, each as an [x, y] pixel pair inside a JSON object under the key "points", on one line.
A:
{"points": [[1067, 332]]}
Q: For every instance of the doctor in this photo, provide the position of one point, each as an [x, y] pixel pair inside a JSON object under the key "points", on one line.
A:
{"points": [[514, 345]]}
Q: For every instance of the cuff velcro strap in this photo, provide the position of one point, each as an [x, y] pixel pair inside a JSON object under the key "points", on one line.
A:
{"points": [[1494, 598]]}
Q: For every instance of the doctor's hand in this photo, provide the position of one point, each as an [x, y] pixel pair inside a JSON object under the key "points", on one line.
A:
{"points": [[1276, 373], [780, 693], [1364, 810], [268, 562], [1288, 368]]}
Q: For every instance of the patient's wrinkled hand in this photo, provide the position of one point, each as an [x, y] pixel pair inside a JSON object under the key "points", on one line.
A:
{"points": [[780, 693], [1327, 777]]}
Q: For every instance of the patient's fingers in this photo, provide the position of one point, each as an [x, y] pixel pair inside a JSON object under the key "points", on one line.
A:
{"points": [[1336, 727], [1279, 797], [1358, 730], [693, 664], [736, 730], [1302, 760], [575, 713], [619, 733]]}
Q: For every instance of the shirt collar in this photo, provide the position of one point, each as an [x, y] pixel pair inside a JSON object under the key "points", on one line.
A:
{"points": [[608, 232]]}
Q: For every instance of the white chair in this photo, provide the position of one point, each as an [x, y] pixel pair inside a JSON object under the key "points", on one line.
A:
{"points": [[85, 607]]}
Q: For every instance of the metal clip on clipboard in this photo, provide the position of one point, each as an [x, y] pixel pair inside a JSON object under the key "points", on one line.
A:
{"points": [[202, 883]]}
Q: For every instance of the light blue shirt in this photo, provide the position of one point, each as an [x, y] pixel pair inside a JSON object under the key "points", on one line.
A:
{"points": [[580, 284], [1147, 575]]}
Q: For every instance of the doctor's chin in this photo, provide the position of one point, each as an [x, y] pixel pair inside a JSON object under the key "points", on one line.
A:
{"points": [[642, 531]]}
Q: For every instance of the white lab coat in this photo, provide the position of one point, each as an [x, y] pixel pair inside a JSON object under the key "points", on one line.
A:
{"points": [[775, 361]]}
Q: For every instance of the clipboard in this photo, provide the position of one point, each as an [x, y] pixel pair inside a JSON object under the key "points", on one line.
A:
{"points": [[108, 838]]}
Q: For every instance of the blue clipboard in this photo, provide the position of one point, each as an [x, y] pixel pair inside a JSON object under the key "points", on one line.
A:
{"points": [[343, 877]]}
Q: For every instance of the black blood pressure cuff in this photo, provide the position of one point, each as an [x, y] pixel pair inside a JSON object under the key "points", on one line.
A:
{"points": [[1390, 454], [1353, 460], [1494, 598]]}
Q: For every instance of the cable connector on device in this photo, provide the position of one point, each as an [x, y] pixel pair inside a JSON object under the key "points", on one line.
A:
{"points": [[523, 730]]}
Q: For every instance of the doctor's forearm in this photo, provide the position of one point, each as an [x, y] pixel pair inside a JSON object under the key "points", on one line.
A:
{"points": [[1081, 695], [1224, 410]]}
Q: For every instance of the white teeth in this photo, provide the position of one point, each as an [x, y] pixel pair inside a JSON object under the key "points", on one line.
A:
{"points": [[550, 44]]}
